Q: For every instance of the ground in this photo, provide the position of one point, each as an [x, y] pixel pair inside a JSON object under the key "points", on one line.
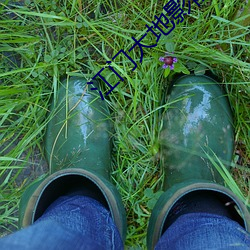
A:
{"points": [[44, 41]]}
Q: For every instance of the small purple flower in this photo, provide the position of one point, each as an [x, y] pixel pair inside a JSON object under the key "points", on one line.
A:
{"points": [[168, 61]]}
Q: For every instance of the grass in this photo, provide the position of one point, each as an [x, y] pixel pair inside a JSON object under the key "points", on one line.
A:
{"points": [[45, 41]]}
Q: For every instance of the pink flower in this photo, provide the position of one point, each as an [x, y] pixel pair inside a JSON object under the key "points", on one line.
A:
{"points": [[168, 61]]}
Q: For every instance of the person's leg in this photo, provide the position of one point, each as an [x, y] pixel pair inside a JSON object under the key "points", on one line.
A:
{"points": [[204, 231], [71, 222], [78, 149], [196, 138]]}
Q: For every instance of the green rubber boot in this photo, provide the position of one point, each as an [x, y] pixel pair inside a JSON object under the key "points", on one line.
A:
{"points": [[78, 149], [197, 125]]}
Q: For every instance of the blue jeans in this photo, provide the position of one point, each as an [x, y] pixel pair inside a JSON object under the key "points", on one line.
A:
{"points": [[204, 231], [70, 223], [80, 222]]}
